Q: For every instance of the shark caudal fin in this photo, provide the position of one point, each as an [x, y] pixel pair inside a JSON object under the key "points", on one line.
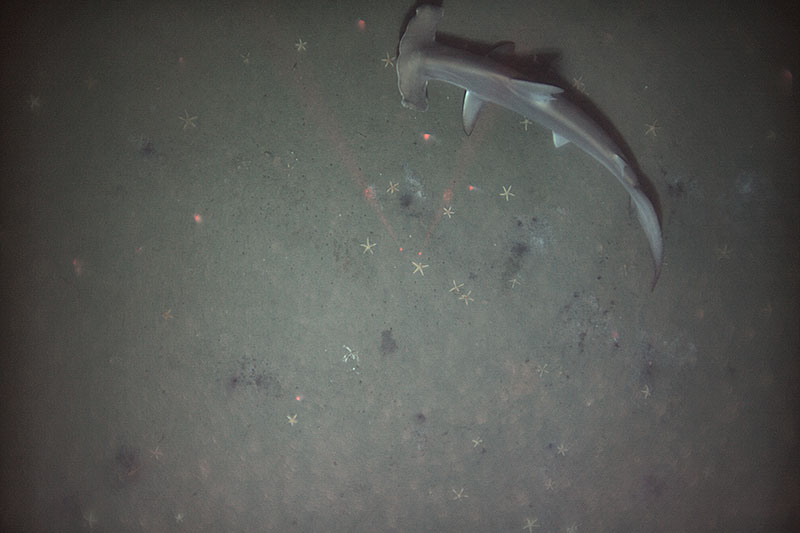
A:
{"points": [[420, 33]]}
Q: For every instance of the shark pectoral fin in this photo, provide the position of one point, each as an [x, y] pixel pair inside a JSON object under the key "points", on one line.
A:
{"points": [[469, 113], [558, 140]]}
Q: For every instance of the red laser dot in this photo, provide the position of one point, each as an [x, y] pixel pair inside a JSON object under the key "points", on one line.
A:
{"points": [[198, 218], [77, 264], [447, 196], [401, 249], [471, 187], [419, 254], [369, 193], [785, 81], [299, 397], [362, 25], [426, 136]]}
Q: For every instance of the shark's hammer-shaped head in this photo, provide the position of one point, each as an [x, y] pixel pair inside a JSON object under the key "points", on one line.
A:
{"points": [[420, 33], [485, 79]]}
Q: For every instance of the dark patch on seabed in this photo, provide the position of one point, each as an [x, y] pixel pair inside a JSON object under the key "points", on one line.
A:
{"points": [[253, 374], [388, 344]]}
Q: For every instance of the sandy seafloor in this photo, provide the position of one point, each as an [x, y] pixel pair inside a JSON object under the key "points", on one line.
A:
{"points": [[174, 291]]}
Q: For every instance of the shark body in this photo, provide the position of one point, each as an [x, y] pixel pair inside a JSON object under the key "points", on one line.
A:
{"points": [[422, 59]]}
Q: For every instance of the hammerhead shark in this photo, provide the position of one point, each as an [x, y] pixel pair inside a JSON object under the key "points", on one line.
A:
{"points": [[422, 59]]}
